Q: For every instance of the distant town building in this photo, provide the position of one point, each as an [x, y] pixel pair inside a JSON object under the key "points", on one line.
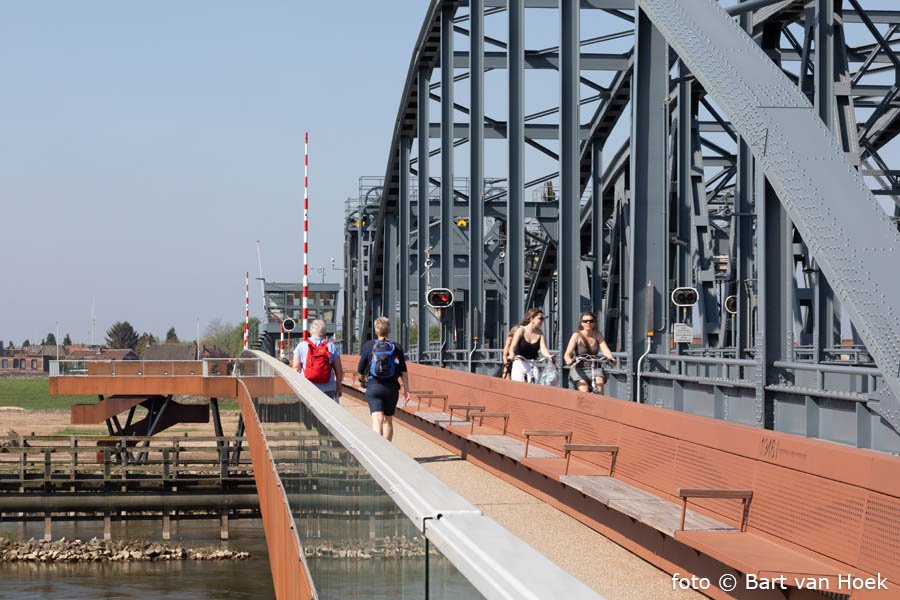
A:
{"points": [[30, 360], [181, 351], [103, 354]]}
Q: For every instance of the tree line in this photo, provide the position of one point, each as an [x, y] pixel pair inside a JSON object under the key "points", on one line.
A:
{"points": [[224, 336]]}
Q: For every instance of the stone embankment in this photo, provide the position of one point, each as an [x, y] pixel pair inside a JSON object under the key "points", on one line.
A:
{"points": [[96, 550], [387, 547]]}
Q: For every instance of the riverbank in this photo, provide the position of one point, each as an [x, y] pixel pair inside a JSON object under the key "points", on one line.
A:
{"points": [[97, 550]]}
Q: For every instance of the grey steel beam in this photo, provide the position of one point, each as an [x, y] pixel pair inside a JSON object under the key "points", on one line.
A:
{"points": [[823, 324], [389, 276], [685, 247], [742, 235], [496, 130], [598, 249], [476, 302], [590, 61], [514, 268], [569, 244], [403, 261], [852, 237], [597, 4], [422, 211], [446, 161], [647, 304]]}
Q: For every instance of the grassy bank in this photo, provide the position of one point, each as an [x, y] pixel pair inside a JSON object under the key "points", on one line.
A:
{"points": [[34, 394]]}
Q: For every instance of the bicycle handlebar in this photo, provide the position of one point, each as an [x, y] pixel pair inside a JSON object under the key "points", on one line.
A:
{"points": [[590, 359]]}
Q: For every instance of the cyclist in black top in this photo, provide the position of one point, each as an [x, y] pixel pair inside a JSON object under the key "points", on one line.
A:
{"points": [[382, 391], [527, 343]]}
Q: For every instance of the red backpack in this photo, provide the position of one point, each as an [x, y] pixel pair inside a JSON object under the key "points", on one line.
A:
{"points": [[318, 363]]}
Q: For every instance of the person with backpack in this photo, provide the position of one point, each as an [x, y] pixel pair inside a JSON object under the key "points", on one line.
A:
{"points": [[317, 359], [382, 362]]}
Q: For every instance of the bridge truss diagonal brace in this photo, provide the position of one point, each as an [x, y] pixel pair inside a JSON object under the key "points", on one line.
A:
{"points": [[850, 235]]}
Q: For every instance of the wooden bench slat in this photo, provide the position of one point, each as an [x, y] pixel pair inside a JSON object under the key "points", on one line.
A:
{"points": [[713, 493], [481, 416], [589, 448], [745, 496], [570, 448], [546, 433]]}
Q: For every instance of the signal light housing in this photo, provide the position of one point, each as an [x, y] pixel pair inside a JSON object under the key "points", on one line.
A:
{"points": [[439, 298], [288, 324], [731, 305], [685, 296]]}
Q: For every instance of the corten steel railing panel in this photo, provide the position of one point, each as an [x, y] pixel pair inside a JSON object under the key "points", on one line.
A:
{"points": [[807, 493], [290, 575], [466, 554]]}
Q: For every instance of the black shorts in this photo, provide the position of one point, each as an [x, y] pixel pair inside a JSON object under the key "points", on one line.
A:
{"points": [[382, 396]]}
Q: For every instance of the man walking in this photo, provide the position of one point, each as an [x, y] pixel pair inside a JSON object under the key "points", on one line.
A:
{"points": [[383, 362], [317, 359]]}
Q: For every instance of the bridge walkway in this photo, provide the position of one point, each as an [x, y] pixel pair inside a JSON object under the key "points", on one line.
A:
{"points": [[606, 567]]}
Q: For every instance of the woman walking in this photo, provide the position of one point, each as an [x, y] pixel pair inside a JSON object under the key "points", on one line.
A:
{"points": [[528, 342], [587, 341]]}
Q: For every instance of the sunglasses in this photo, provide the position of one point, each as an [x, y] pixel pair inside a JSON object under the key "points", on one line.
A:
{"points": [[540, 317], [588, 321]]}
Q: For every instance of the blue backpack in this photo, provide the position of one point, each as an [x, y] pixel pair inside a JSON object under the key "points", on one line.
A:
{"points": [[382, 364]]}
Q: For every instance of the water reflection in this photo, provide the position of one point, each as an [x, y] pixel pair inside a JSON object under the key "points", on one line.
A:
{"points": [[357, 541], [171, 580]]}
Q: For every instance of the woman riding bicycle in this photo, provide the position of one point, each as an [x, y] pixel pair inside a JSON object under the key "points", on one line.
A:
{"points": [[527, 343], [588, 342]]}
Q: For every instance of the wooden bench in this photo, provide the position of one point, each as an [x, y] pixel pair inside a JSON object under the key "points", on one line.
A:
{"points": [[508, 446], [482, 415], [640, 505], [464, 407], [569, 449], [431, 397], [745, 496], [530, 433]]}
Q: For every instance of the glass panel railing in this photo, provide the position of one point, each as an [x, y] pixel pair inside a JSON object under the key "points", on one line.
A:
{"points": [[208, 367], [357, 541]]}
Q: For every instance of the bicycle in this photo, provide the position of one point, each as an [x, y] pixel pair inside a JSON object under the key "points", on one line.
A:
{"points": [[596, 364], [541, 370]]}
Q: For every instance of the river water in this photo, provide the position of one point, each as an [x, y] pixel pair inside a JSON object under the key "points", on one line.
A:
{"points": [[181, 580]]}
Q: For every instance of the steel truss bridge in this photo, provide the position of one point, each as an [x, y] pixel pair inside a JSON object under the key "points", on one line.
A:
{"points": [[743, 149]]}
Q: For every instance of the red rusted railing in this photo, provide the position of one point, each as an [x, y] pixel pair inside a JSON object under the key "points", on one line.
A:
{"points": [[289, 574]]}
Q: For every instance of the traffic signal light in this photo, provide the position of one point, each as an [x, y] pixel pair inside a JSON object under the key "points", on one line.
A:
{"points": [[731, 305], [288, 324], [684, 296], [439, 298]]}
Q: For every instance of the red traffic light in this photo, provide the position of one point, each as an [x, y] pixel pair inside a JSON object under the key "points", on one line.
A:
{"points": [[439, 298]]}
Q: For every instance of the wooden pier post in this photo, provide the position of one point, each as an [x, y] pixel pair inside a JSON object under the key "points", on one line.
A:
{"points": [[48, 527]]}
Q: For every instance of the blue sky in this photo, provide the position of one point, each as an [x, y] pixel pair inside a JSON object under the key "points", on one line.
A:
{"points": [[146, 146]]}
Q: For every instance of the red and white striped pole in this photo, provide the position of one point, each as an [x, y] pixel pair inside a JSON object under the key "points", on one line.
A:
{"points": [[281, 342], [306, 236], [247, 310]]}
